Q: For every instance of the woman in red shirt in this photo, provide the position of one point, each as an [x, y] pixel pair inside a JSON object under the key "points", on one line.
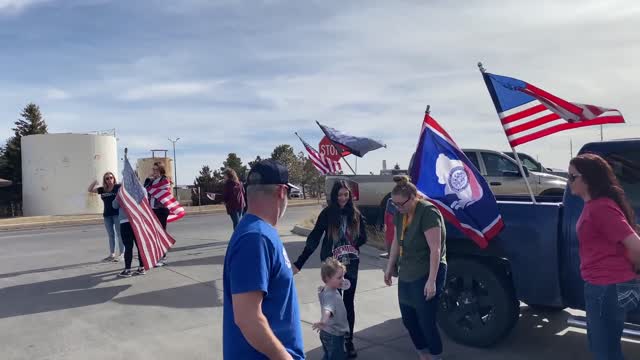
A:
{"points": [[609, 253]]}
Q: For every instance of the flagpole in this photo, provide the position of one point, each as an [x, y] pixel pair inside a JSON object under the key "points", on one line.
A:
{"points": [[515, 153], [337, 149]]}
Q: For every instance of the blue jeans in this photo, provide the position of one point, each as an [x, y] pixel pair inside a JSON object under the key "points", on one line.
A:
{"points": [[333, 346], [113, 230], [419, 314], [605, 318], [235, 217]]}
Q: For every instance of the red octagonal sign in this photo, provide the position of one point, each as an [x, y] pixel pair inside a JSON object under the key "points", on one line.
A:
{"points": [[328, 150]]}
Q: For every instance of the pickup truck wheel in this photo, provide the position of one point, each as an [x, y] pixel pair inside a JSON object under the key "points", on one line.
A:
{"points": [[478, 306]]}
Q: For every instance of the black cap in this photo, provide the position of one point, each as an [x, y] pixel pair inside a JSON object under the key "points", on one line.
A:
{"points": [[269, 172]]}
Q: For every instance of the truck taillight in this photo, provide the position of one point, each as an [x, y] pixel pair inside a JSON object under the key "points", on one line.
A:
{"points": [[355, 191]]}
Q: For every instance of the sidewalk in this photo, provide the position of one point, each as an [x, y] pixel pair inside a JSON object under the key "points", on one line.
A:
{"points": [[39, 222]]}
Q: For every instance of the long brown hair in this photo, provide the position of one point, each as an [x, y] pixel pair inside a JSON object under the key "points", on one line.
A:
{"points": [[231, 175], [602, 182], [334, 213]]}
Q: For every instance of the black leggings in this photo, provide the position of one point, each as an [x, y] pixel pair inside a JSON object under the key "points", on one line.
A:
{"points": [[162, 214], [348, 297], [128, 238]]}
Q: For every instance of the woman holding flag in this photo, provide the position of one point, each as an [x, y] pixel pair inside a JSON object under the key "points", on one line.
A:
{"points": [[158, 180], [419, 253]]}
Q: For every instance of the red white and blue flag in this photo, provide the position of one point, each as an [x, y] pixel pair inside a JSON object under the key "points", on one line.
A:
{"points": [[528, 113], [153, 241], [322, 163], [161, 191], [444, 175]]}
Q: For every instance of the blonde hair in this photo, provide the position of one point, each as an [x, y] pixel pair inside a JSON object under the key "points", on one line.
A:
{"points": [[404, 186], [104, 181], [330, 267]]}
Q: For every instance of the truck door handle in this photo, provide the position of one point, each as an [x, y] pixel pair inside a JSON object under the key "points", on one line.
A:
{"points": [[495, 183]]}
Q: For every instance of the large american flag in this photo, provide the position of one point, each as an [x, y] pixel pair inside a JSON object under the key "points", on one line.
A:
{"points": [[161, 191], [528, 113], [320, 161], [153, 241]]}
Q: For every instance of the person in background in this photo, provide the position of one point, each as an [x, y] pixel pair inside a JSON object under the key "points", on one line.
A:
{"points": [[333, 324], [388, 227], [343, 230], [233, 196], [609, 253], [261, 315], [107, 193], [162, 213], [419, 255]]}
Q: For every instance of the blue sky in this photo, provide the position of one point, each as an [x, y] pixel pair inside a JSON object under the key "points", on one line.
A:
{"points": [[242, 76]]}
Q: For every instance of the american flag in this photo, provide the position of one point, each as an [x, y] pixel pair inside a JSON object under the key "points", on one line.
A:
{"points": [[161, 191], [320, 161], [153, 241], [528, 113]]}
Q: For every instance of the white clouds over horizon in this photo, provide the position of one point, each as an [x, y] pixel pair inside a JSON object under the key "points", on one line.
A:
{"points": [[234, 76]]}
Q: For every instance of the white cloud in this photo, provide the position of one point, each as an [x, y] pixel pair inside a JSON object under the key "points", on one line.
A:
{"points": [[17, 6], [166, 90], [57, 94]]}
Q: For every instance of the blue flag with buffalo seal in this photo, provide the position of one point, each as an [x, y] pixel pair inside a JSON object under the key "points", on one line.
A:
{"points": [[445, 176]]}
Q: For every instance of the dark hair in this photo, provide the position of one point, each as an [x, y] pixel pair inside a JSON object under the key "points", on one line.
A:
{"points": [[404, 187], [161, 168], [602, 182], [350, 210], [232, 175], [330, 267]]}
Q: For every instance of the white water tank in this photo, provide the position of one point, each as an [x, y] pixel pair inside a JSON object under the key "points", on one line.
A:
{"points": [[58, 168]]}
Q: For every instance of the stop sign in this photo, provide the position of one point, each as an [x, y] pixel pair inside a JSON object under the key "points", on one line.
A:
{"points": [[328, 150]]}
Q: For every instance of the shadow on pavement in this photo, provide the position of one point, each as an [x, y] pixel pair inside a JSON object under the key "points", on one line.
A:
{"points": [[201, 295], [58, 294], [54, 268]]}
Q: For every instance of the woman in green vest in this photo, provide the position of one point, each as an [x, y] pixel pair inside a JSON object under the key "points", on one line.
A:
{"points": [[418, 253]]}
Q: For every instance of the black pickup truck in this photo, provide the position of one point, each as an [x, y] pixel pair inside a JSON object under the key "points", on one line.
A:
{"points": [[534, 260]]}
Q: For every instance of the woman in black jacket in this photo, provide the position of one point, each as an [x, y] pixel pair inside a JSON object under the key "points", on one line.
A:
{"points": [[344, 232]]}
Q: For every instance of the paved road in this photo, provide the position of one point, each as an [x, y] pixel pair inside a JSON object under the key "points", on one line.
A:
{"points": [[57, 301]]}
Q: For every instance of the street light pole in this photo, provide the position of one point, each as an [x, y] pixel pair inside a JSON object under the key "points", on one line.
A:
{"points": [[175, 167]]}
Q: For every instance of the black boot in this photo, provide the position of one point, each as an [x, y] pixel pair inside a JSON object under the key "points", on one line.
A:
{"points": [[351, 350]]}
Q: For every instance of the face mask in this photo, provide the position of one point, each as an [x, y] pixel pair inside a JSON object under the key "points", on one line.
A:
{"points": [[284, 207]]}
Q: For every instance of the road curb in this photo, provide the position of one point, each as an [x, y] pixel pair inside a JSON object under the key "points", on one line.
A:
{"points": [[301, 231]]}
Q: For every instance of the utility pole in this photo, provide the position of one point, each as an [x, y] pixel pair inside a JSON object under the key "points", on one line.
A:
{"points": [[175, 167]]}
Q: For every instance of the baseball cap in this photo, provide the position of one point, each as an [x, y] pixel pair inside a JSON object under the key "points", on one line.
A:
{"points": [[269, 172]]}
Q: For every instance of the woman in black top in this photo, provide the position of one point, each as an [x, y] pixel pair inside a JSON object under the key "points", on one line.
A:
{"points": [[344, 232], [108, 192]]}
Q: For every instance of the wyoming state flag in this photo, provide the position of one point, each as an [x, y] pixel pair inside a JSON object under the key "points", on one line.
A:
{"points": [[447, 178]]}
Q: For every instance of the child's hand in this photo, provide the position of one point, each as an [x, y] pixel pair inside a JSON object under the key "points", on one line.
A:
{"points": [[318, 326]]}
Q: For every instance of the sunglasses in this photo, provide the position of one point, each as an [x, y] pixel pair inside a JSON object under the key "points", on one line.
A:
{"points": [[400, 205], [109, 178], [573, 177]]}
